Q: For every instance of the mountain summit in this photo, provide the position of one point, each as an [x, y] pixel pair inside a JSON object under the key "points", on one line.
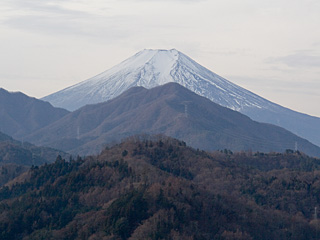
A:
{"points": [[150, 68]]}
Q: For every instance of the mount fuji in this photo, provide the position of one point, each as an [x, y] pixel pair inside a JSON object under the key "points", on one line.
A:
{"points": [[151, 68]]}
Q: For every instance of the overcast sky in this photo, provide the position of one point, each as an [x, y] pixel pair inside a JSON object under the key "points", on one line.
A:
{"points": [[269, 47]]}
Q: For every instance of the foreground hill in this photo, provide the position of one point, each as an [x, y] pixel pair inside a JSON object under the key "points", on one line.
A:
{"points": [[158, 188], [20, 115], [151, 68], [171, 110]]}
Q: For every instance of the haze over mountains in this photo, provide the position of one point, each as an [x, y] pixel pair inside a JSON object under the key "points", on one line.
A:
{"points": [[150, 68], [171, 110]]}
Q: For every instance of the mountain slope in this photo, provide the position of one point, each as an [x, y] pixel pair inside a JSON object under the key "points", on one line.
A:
{"points": [[21, 115], [171, 110], [150, 68]]}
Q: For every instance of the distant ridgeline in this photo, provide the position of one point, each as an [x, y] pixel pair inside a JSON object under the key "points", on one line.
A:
{"points": [[21, 115], [159, 188], [170, 109]]}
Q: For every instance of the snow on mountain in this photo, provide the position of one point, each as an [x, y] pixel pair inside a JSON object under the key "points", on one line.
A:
{"points": [[150, 68]]}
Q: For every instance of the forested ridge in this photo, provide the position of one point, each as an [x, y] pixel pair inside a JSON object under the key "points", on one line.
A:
{"points": [[159, 188]]}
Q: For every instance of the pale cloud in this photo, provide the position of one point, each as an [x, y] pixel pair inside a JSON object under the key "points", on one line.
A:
{"points": [[70, 25], [64, 18], [183, 1], [38, 7], [301, 95], [297, 60], [258, 40]]}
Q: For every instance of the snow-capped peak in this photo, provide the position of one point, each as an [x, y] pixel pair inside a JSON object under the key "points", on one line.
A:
{"points": [[150, 68]]}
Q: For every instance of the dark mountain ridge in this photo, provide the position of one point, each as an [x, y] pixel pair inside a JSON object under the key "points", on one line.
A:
{"points": [[171, 110], [21, 115]]}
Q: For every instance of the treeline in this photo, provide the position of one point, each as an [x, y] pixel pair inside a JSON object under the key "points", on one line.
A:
{"points": [[159, 188]]}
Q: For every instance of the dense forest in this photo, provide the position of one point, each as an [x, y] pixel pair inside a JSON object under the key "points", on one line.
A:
{"points": [[159, 188]]}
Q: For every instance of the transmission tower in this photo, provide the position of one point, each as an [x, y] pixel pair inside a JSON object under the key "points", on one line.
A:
{"points": [[78, 132], [185, 103]]}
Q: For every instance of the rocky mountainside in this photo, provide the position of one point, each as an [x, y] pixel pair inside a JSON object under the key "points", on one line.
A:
{"points": [[169, 109], [20, 115], [150, 68]]}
